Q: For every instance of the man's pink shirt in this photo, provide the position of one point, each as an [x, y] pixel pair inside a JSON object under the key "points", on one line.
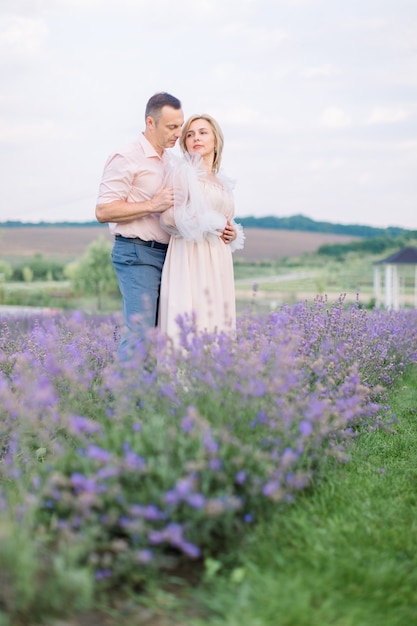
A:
{"points": [[134, 174]]}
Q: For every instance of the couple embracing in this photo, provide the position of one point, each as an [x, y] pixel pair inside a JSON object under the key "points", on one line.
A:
{"points": [[172, 220]]}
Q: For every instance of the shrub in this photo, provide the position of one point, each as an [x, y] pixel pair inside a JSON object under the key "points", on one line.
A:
{"points": [[42, 269], [170, 455], [93, 274], [5, 271]]}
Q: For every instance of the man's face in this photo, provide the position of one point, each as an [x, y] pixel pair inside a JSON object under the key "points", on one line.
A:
{"points": [[165, 131]]}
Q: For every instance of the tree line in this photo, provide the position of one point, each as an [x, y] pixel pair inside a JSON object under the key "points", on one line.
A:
{"points": [[369, 245], [294, 222], [306, 224]]}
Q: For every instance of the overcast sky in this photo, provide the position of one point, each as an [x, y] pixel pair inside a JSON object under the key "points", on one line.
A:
{"points": [[317, 100]]}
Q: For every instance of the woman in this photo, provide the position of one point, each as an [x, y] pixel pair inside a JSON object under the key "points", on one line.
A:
{"points": [[197, 278]]}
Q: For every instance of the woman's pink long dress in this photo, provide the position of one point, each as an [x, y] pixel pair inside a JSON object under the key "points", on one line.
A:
{"points": [[198, 277]]}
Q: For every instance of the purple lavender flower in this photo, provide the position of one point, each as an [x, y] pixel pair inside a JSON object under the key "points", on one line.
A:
{"points": [[102, 574], [83, 483], [183, 487], [151, 512], [134, 461], [240, 477], [80, 425], [172, 497], [187, 424], [215, 464], [190, 549], [173, 533], [107, 472], [271, 488], [196, 500], [98, 454], [209, 443], [306, 428], [144, 556], [156, 536]]}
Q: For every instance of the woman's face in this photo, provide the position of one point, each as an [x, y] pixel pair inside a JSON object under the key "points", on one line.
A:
{"points": [[200, 139]]}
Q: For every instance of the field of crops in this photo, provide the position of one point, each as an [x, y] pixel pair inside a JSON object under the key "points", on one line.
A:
{"points": [[70, 242]]}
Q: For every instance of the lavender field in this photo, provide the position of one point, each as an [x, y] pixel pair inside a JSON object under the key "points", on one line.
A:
{"points": [[112, 472]]}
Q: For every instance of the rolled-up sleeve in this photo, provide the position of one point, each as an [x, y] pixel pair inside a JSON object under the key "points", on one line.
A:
{"points": [[117, 179]]}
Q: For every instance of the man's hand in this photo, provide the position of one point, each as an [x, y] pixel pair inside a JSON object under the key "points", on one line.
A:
{"points": [[229, 233], [123, 211], [162, 200]]}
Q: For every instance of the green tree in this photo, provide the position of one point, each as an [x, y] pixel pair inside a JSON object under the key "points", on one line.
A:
{"points": [[6, 271], [27, 274], [93, 274], [42, 268]]}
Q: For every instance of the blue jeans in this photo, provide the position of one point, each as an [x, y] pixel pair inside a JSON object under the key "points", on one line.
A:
{"points": [[138, 269]]}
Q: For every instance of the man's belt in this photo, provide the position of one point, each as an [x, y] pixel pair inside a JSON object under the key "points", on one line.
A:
{"points": [[142, 242]]}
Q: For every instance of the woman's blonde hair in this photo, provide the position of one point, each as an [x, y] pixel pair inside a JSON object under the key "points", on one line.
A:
{"points": [[218, 138]]}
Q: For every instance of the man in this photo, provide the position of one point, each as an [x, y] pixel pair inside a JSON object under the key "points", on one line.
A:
{"points": [[131, 198]]}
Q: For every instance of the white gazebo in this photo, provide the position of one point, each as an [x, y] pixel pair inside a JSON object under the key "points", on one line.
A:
{"points": [[387, 286]]}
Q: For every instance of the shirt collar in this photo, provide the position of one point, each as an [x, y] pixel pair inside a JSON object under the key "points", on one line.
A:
{"points": [[148, 149]]}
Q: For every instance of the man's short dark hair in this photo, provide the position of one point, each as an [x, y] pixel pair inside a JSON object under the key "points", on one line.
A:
{"points": [[159, 100]]}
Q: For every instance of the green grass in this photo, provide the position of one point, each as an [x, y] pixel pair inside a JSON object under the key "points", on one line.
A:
{"points": [[55, 294], [345, 554], [311, 274], [354, 272], [305, 277]]}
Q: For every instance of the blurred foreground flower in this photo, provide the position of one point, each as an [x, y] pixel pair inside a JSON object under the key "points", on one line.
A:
{"points": [[140, 465]]}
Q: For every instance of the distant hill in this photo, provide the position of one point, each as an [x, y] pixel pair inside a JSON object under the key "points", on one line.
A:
{"points": [[299, 223], [305, 224]]}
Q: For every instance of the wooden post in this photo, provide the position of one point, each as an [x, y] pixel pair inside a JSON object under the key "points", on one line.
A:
{"points": [[377, 286], [388, 286], [395, 288]]}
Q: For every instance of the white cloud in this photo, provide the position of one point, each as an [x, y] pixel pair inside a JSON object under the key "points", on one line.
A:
{"points": [[374, 23], [326, 70], [241, 115], [223, 71], [406, 145], [335, 117], [387, 115], [23, 132], [22, 37], [254, 37], [325, 165], [365, 179]]}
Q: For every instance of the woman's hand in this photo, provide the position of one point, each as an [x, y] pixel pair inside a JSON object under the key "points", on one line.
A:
{"points": [[228, 233]]}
